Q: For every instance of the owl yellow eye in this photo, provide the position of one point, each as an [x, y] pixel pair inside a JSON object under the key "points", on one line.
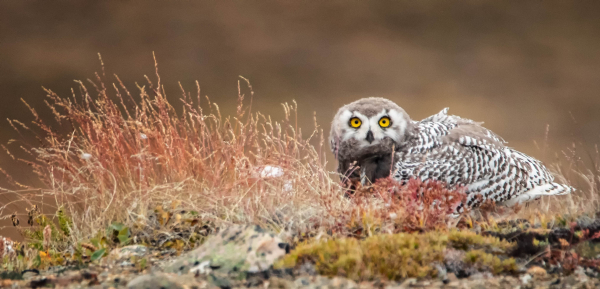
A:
{"points": [[384, 121], [355, 122]]}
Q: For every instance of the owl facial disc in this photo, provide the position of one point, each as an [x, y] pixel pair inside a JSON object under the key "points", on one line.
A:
{"points": [[368, 128]]}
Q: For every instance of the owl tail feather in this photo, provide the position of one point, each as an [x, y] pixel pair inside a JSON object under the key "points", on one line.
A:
{"points": [[550, 189], [559, 189]]}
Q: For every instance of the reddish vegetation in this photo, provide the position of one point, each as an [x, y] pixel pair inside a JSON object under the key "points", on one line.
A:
{"points": [[427, 205], [392, 207], [114, 156]]}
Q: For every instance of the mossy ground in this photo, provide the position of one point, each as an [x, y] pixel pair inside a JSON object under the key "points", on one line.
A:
{"points": [[399, 256]]}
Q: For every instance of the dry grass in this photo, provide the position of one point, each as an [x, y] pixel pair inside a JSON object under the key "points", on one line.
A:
{"points": [[580, 169], [126, 154], [114, 156]]}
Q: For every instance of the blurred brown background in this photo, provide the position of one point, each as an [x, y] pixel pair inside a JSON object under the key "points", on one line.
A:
{"points": [[516, 66]]}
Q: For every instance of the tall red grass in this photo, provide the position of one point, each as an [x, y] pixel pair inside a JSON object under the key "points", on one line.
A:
{"points": [[124, 154]]}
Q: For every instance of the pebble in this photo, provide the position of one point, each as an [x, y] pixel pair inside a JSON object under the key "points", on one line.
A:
{"points": [[525, 278], [537, 271], [128, 252]]}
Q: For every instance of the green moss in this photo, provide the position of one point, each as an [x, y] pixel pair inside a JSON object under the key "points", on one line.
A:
{"points": [[398, 256], [483, 261], [467, 240], [391, 256]]}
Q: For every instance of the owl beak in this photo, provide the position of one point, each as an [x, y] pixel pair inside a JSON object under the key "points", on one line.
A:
{"points": [[370, 137]]}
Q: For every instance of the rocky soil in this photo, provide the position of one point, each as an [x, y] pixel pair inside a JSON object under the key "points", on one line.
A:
{"points": [[243, 257]]}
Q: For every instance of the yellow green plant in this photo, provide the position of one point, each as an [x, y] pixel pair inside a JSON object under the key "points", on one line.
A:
{"points": [[468, 240], [391, 256], [483, 261], [397, 256]]}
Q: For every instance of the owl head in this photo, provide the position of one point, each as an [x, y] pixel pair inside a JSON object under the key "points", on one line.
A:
{"points": [[366, 132]]}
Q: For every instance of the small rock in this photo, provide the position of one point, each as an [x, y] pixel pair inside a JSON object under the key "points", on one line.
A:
{"points": [[441, 271], [451, 277], [492, 283], [220, 281], [27, 274], [479, 284], [321, 281], [525, 278], [570, 280], [590, 272], [537, 271], [476, 276], [579, 271], [585, 221], [279, 283], [237, 250], [339, 282], [408, 282], [128, 251], [302, 282]]}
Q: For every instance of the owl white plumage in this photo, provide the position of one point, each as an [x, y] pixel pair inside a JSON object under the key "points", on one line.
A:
{"points": [[378, 137]]}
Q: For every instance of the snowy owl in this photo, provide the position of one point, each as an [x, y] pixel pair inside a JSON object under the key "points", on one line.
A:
{"points": [[373, 136]]}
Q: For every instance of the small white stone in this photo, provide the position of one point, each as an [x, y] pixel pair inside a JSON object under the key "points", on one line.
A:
{"points": [[393, 216], [143, 136], [526, 278], [271, 172], [86, 156]]}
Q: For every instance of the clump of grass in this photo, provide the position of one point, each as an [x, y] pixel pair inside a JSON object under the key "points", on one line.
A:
{"points": [[113, 156]]}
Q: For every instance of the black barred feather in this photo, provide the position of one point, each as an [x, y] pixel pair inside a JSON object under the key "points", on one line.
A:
{"points": [[462, 153]]}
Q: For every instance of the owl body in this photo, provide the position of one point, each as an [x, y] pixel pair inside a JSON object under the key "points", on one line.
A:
{"points": [[455, 151], [461, 153]]}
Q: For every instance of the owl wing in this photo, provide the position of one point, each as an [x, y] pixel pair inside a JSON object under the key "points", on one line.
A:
{"points": [[460, 152], [450, 149], [432, 130]]}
